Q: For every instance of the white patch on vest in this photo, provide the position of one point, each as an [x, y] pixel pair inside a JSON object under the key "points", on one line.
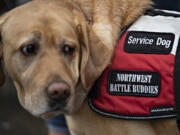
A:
{"points": [[104, 32], [159, 24]]}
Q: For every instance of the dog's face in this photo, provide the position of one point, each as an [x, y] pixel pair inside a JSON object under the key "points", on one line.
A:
{"points": [[46, 51]]}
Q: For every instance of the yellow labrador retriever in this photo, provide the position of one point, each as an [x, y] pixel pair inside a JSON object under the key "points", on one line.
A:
{"points": [[54, 50]]}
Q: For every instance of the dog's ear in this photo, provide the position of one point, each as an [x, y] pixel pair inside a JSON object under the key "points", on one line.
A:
{"points": [[95, 56], [2, 76]]}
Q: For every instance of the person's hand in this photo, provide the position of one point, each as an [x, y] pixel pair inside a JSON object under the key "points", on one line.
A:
{"points": [[51, 132]]}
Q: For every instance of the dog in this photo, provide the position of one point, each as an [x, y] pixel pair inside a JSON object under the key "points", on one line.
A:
{"points": [[54, 50]]}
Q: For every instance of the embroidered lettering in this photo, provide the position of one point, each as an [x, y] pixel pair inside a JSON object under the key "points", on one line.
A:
{"points": [[165, 43], [149, 42], [134, 83], [134, 78], [144, 89], [162, 110], [135, 41]]}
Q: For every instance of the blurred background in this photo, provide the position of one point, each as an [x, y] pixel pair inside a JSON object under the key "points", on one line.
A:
{"points": [[14, 120]]}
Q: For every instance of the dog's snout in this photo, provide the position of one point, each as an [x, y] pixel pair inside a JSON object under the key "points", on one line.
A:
{"points": [[58, 91]]}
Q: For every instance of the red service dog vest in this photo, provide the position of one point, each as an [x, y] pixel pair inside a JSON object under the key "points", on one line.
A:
{"points": [[139, 84]]}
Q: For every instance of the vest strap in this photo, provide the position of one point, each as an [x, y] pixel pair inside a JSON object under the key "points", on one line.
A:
{"points": [[177, 84]]}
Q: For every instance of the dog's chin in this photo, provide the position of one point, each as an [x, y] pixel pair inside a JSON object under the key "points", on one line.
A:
{"points": [[53, 113], [49, 115]]}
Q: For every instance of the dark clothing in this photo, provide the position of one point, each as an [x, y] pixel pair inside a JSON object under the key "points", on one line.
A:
{"points": [[58, 123], [3, 7], [6, 5], [167, 4]]}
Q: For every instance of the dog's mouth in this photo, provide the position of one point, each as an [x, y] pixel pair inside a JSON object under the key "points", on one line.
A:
{"points": [[55, 108], [52, 112], [48, 115], [59, 107]]}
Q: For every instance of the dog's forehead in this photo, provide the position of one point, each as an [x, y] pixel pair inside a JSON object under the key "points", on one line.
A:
{"points": [[27, 21], [23, 21], [32, 14]]}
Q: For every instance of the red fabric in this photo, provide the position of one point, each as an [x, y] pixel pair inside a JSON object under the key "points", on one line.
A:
{"points": [[132, 105]]}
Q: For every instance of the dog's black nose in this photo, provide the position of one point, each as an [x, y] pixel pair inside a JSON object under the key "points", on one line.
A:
{"points": [[58, 91]]}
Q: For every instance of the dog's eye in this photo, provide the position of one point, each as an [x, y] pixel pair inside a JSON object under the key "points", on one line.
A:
{"points": [[29, 50], [68, 49]]}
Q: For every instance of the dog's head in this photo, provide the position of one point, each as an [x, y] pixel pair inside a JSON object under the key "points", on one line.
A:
{"points": [[51, 55]]}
